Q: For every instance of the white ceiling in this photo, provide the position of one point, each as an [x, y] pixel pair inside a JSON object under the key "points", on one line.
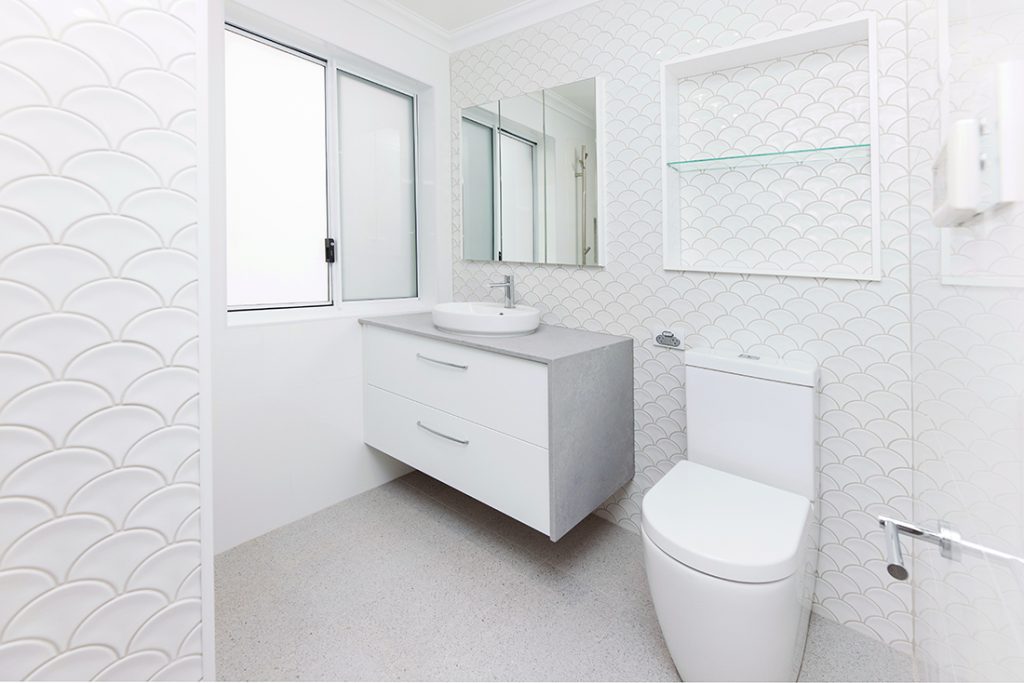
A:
{"points": [[457, 24], [451, 15]]}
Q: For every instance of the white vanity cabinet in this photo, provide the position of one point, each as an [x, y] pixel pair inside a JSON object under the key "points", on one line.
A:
{"points": [[538, 427]]}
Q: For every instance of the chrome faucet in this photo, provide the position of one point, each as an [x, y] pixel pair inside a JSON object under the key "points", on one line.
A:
{"points": [[509, 283]]}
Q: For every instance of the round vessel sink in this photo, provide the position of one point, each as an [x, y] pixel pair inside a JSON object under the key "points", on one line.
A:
{"points": [[485, 319]]}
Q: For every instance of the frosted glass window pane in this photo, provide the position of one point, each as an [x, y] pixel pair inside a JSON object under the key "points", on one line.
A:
{"points": [[477, 191], [276, 176], [378, 201]]}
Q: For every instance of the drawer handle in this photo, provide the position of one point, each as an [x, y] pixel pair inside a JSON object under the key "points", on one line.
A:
{"points": [[464, 442], [442, 362]]}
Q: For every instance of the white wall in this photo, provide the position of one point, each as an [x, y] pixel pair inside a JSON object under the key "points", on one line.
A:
{"points": [[968, 366], [288, 410], [100, 526]]}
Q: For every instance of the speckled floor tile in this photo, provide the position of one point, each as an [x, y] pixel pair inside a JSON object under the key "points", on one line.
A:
{"points": [[837, 653], [416, 581]]}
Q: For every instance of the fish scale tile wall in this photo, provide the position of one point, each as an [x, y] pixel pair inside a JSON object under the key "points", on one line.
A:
{"points": [[99, 480], [968, 366], [857, 331], [808, 214]]}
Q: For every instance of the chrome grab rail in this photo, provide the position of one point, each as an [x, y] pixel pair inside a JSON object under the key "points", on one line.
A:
{"points": [[463, 442], [442, 362], [951, 545]]}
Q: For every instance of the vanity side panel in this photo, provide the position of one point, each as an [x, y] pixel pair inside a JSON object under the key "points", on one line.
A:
{"points": [[591, 431]]}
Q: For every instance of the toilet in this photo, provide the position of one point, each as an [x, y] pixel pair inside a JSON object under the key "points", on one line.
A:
{"points": [[730, 535]]}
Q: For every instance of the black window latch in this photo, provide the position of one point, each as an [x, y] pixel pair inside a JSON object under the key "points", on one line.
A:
{"points": [[329, 250]]}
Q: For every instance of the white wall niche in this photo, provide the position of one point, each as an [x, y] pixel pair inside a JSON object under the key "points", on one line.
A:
{"points": [[770, 154]]}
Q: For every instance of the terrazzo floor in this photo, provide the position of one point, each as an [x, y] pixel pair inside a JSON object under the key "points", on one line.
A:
{"points": [[416, 581]]}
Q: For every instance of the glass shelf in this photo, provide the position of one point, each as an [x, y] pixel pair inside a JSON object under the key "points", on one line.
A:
{"points": [[796, 156]]}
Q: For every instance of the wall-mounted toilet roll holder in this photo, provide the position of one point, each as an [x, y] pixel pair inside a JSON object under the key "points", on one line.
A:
{"points": [[951, 545]]}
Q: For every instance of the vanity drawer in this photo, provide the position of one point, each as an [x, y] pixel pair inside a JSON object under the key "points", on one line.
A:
{"points": [[506, 473], [503, 393]]}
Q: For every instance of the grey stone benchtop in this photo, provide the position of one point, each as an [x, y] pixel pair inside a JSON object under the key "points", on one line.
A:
{"points": [[547, 345]]}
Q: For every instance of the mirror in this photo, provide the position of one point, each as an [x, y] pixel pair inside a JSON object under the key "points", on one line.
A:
{"points": [[530, 185]]}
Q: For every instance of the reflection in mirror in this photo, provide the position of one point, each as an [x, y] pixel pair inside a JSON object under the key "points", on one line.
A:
{"points": [[479, 183], [569, 120], [529, 178], [521, 149]]}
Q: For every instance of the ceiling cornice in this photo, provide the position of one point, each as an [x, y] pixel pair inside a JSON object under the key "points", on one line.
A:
{"points": [[402, 17], [512, 19]]}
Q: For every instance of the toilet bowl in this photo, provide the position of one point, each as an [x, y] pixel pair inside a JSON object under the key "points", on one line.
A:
{"points": [[730, 535]]}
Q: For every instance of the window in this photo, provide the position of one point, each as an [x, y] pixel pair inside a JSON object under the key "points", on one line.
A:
{"points": [[315, 156], [378, 195]]}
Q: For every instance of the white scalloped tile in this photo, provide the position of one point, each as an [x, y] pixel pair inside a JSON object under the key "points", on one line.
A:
{"points": [[88, 90], [190, 529], [117, 620], [117, 556], [166, 389], [35, 478], [56, 67], [55, 408], [80, 663], [118, 114], [189, 470], [20, 373], [167, 94], [166, 330], [166, 569], [115, 365], [20, 516], [20, 20], [115, 239], [113, 303], [116, 493], [159, 449], [18, 587], [20, 446], [34, 197], [160, 31], [115, 175], [175, 152], [186, 668], [114, 430], [20, 159], [138, 666], [54, 545], [18, 90], [54, 134], [59, 16], [54, 339], [73, 601], [22, 657], [188, 413], [174, 622], [193, 643], [165, 510], [115, 49]]}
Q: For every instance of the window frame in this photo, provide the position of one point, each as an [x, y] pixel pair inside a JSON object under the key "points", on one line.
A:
{"points": [[415, 184], [335, 61]]}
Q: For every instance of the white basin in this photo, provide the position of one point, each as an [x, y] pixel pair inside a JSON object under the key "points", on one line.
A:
{"points": [[485, 319]]}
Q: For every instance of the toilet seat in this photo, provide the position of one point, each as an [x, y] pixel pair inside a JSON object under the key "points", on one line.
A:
{"points": [[727, 526]]}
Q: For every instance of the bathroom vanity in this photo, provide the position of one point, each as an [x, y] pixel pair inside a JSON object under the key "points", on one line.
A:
{"points": [[539, 427]]}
